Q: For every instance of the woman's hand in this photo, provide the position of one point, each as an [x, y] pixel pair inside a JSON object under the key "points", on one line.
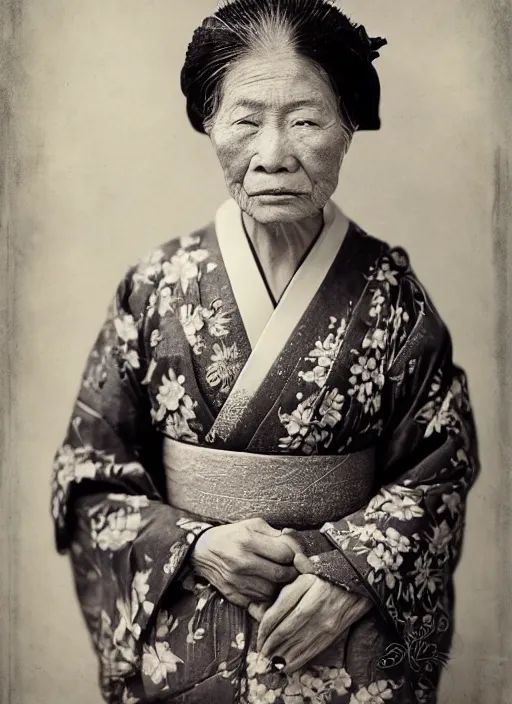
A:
{"points": [[245, 561], [306, 618]]}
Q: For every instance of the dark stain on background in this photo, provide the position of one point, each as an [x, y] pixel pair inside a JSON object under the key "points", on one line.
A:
{"points": [[10, 65], [502, 245]]}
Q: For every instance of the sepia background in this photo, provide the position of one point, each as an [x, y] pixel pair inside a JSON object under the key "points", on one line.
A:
{"points": [[98, 165]]}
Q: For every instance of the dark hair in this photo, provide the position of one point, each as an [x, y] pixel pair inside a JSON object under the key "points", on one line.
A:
{"points": [[317, 30]]}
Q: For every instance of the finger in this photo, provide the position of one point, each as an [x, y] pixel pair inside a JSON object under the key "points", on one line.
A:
{"points": [[257, 611], [298, 656], [297, 620], [254, 588], [278, 549], [238, 599], [287, 600], [257, 566], [290, 648], [303, 564], [292, 542], [259, 525]]}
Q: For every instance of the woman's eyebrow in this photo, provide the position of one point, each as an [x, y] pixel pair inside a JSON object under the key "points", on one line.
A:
{"points": [[252, 104]]}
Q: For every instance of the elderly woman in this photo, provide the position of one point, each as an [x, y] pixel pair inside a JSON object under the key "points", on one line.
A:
{"points": [[263, 484]]}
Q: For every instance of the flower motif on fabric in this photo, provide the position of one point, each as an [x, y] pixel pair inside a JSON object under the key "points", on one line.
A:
{"points": [[418, 648], [163, 301], [114, 528], [194, 634], [176, 407], [316, 685], [194, 319], [397, 323], [166, 623], [440, 411], [378, 692], [171, 280], [324, 354], [148, 269], [303, 431], [216, 319], [387, 321], [178, 552], [385, 565], [116, 650], [127, 335], [183, 267], [367, 378], [170, 394], [330, 409], [310, 424], [225, 366], [126, 626], [75, 465], [192, 322], [119, 338], [158, 662], [388, 268], [397, 501], [370, 361], [140, 590], [192, 528]]}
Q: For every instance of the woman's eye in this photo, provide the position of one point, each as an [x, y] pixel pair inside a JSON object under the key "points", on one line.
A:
{"points": [[250, 123], [305, 123]]}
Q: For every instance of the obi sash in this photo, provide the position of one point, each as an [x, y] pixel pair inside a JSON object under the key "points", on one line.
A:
{"points": [[287, 491]]}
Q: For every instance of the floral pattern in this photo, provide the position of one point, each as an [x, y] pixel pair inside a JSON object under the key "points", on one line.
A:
{"points": [[225, 367], [354, 374]]}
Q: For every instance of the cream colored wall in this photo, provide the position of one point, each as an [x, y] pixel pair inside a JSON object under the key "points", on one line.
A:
{"points": [[110, 168]]}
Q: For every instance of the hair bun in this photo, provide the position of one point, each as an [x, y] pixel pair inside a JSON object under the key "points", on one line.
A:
{"points": [[318, 30]]}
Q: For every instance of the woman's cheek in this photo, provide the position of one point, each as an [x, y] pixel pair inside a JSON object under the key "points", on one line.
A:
{"points": [[323, 162], [234, 159]]}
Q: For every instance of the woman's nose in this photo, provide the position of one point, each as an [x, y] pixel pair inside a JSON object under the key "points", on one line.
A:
{"points": [[274, 153]]}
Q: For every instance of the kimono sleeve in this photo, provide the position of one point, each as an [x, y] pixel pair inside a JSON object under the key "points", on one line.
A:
{"points": [[127, 546], [402, 547]]}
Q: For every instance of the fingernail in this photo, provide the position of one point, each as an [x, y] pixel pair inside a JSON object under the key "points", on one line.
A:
{"points": [[277, 663]]}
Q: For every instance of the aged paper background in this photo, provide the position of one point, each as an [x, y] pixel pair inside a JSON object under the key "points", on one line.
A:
{"points": [[98, 164]]}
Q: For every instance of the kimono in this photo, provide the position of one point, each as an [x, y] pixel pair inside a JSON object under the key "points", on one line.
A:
{"points": [[348, 379]]}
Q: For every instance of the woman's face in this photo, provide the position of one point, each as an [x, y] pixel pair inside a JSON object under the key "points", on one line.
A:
{"points": [[279, 137]]}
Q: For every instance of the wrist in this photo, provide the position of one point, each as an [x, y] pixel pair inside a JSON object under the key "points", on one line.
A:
{"points": [[197, 554]]}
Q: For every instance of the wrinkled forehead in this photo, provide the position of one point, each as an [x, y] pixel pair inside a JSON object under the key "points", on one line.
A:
{"points": [[277, 80]]}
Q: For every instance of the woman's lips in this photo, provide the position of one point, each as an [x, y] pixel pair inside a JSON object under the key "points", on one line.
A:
{"points": [[277, 193]]}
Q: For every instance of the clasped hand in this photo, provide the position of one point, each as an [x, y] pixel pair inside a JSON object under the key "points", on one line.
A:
{"points": [[246, 561], [250, 562]]}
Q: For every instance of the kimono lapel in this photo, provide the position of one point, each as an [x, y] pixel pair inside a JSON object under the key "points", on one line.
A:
{"points": [[251, 295], [268, 329]]}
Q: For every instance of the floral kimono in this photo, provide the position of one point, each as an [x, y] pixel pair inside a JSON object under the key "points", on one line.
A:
{"points": [[350, 378]]}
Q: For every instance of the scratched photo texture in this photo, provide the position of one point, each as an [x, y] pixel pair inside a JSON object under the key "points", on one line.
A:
{"points": [[99, 164]]}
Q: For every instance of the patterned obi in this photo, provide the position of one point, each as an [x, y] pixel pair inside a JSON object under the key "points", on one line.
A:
{"points": [[285, 490]]}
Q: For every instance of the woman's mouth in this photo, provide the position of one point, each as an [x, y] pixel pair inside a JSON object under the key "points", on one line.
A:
{"points": [[277, 193]]}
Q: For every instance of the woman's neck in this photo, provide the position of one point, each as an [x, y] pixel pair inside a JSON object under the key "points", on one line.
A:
{"points": [[281, 246]]}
